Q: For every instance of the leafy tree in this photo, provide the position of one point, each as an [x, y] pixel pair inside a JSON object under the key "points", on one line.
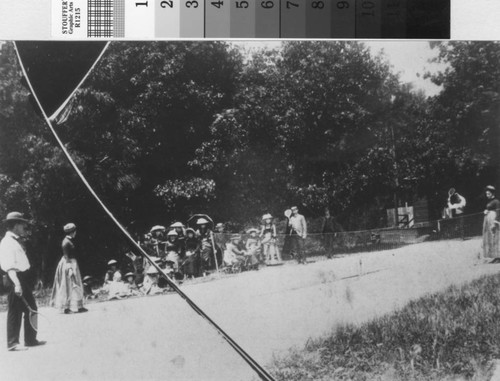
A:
{"points": [[164, 130], [133, 126], [466, 118], [34, 176], [155, 102], [244, 154], [304, 117]]}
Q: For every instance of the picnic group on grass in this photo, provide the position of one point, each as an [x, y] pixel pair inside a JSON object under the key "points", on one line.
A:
{"points": [[179, 251]]}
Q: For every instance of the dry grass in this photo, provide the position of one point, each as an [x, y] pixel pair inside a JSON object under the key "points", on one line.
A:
{"points": [[452, 335]]}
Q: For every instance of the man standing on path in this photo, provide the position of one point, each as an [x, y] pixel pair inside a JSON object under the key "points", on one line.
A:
{"points": [[15, 263], [329, 229], [298, 234]]}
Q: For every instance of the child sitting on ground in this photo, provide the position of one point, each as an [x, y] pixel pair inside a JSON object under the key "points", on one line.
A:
{"points": [[117, 288], [233, 256], [113, 274], [150, 285], [133, 289], [88, 285]]}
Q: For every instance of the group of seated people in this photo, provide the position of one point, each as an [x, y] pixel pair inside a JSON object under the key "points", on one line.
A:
{"points": [[183, 252], [118, 286], [257, 249], [188, 253]]}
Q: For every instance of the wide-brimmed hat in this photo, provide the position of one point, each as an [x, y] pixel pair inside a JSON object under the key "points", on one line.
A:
{"points": [[252, 230], [69, 228], [490, 188], [190, 230], [129, 274], [172, 233], [235, 236], [266, 216], [177, 225], [16, 216], [219, 225], [112, 262], [200, 219], [157, 228]]}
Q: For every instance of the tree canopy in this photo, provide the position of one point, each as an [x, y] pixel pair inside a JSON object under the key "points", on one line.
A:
{"points": [[163, 130]]}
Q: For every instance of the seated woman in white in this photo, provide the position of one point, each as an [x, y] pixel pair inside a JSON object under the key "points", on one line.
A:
{"points": [[117, 288]]}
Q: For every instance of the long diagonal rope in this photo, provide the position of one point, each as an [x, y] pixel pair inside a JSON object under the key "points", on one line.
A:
{"points": [[63, 105], [262, 373]]}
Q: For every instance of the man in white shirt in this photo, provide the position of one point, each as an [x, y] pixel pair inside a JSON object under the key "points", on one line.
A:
{"points": [[298, 234], [15, 263], [456, 203], [455, 208]]}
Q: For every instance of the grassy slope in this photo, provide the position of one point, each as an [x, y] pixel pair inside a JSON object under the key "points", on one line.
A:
{"points": [[450, 335]]}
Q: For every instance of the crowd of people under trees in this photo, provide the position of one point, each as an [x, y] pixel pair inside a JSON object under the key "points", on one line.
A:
{"points": [[179, 251], [199, 247], [186, 251]]}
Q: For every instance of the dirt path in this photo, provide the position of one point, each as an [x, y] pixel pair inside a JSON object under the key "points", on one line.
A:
{"points": [[266, 312]]}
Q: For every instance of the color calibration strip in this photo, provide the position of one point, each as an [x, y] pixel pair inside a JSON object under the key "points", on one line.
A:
{"points": [[252, 19]]}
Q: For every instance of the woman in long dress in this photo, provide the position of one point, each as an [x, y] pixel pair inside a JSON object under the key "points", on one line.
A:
{"points": [[491, 225], [205, 236], [67, 291], [192, 249]]}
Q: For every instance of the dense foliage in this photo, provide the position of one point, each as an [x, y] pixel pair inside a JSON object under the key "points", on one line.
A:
{"points": [[163, 130]]}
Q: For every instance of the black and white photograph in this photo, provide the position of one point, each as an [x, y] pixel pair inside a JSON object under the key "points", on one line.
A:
{"points": [[287, 210]]}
